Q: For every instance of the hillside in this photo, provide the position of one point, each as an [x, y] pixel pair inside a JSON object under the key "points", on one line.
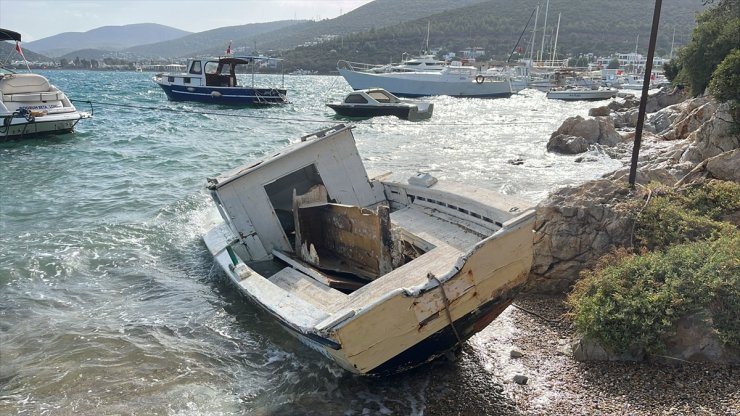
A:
{"points": [[9, 54], [377, 14], [289, 34], [210, 42], [112, 38], [596, 26]]}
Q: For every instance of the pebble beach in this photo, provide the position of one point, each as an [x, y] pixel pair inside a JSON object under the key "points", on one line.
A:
{"points": [[556, 384]]}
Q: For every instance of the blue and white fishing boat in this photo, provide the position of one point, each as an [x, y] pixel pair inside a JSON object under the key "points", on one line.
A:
{"points": [[214, 80]]}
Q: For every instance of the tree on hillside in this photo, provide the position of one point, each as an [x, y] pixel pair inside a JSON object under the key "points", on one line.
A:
{"points": [[716, 35]]}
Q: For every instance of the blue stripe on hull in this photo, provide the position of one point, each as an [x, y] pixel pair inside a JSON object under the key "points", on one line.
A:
{"points": [[229, 96]]}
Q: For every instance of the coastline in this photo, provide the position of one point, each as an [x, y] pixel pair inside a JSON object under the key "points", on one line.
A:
{"points": [[559, 385]]}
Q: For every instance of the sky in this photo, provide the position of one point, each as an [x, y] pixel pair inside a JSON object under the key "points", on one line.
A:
{"points": [[37, 19]]}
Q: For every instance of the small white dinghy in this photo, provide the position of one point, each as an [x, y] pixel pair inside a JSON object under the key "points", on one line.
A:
{"points": [[380, 275], [375, 102], [577, 93]]}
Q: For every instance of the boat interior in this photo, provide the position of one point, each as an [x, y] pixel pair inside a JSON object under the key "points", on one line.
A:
{"points": [[366, 252], [21, 89]]}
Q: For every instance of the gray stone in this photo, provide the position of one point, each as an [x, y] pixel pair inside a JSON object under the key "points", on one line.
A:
{"points": [[588, 349], [694, 340], [516, 354], [599, 111], [725, 166], [520, 379], [567, 144]]}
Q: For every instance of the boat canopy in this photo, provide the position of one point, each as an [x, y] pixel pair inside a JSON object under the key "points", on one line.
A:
{"points": [[6, 34], [243, 59]]}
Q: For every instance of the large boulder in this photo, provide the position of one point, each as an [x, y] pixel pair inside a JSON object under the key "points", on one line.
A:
{"points": [[565, 144], [725, 166], [716, 134], [664, 98], [693, 340], [574, 227], [627, 118], [693, 113], [597, 130]]}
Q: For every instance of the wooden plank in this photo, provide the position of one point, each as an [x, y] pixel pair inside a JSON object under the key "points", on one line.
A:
{"points": [[218, 238], [331, 281], [290, 307], [305, 269], [308, 289], [437, 231]]}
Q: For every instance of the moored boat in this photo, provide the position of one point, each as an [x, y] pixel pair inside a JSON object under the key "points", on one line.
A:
{"points": [[576, 93], [379, 102], [379, 275], [30, 105], [214, 80], [452, 80]]}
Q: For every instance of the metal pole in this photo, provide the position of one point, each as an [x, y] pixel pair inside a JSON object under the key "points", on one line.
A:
{"points": [[534, 32], [643, 98], [544, 29], [554, 55]]}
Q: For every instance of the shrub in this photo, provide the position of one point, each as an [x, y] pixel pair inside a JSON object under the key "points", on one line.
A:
{"points": [[716, 34], [725, 83], [672, 217], [632, 301]]}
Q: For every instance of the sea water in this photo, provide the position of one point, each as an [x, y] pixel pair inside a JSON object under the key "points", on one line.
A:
{"points": [[110, 302]]}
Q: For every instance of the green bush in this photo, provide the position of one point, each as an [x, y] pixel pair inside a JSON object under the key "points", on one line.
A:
{"points": [[631, 302], [716, 35], [725, 83], [672, 217]]}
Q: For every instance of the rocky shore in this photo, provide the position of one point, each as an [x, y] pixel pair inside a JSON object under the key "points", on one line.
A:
{"points": [[685, 140], [559, 385]]}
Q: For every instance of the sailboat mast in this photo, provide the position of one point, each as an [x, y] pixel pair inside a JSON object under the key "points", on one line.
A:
{"points": [[673, 41], [544, 29], [534, 33], [428, 23], [555, 48]]}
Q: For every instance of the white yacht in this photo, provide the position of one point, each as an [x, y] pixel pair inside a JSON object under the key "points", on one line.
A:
{"points": [[454, 80]]}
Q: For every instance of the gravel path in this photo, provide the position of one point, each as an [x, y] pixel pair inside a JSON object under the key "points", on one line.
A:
{"points": [[558, 385]]}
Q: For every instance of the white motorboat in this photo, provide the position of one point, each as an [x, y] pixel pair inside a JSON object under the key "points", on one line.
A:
{"points": [[379, 275], [379, 102], [452, 80], [577, 93], [30, 105]]}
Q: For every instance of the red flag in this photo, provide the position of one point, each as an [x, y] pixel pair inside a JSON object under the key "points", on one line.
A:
{"points": [[18, 48], [228, 49]]}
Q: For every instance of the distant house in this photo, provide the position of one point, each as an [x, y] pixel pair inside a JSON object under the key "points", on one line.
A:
{"points": [[472, 53], [632, 59]]}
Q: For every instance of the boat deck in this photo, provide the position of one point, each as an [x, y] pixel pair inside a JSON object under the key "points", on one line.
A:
{"points": [[443, 240]]}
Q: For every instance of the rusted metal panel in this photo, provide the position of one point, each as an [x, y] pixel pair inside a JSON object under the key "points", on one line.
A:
{"points": [[345, 238]]}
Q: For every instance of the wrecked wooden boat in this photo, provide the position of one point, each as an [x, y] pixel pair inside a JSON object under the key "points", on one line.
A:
{"points": [[378, 274]]}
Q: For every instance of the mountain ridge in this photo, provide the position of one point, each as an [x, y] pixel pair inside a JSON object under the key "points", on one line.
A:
{"points": [[598, 26], [112, 38]]}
